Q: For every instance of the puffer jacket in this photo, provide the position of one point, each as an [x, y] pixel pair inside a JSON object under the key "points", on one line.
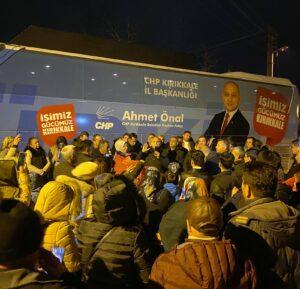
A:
{"points": [[86, 191], [267, 231], [55, 205], [199, 264], [114, 249]]}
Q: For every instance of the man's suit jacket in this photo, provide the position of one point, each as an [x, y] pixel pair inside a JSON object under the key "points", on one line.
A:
{"points": [[237, 128]]}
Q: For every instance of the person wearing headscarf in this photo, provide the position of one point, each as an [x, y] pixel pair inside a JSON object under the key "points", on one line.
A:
{"points": [[122, 158], [172, 180], [157, 200]]}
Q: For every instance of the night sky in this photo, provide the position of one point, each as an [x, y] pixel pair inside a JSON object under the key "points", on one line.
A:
{"points": [[231, 33]]}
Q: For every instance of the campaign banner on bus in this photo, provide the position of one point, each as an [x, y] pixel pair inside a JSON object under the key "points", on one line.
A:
{"points": [[47, 96], [56, 120], [271, 115]]}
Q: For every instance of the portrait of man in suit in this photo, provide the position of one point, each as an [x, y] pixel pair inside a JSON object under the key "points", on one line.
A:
{"points": [[231, 122]]}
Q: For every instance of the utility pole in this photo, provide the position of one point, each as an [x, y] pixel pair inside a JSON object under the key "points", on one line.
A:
{"points": [[272, 42]]}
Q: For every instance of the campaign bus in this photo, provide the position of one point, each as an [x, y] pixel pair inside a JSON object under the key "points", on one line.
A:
{"points": [[48, 93]]}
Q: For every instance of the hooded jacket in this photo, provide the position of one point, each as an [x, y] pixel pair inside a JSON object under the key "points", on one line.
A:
{"points": [[55, 204], [24, 279], [114, 249], [201, 264], [86, 191], [267, 231]]}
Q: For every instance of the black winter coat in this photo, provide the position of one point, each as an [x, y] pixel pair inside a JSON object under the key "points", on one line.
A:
{"points": [[177, 155], [115, 252], [156, 206], [24, 279], [211, 165], [238, 170], [267, 232], [221, 186], [114, 257], [161, 163], [172, 228], [81, 158]]}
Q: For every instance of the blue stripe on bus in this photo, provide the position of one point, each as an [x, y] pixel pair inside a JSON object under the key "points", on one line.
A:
{"points": [[23, 94]]}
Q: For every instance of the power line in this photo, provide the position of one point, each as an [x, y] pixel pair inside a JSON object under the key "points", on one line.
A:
{"points": [[247, 16], [225, 43], [261, 20], [236, 20]]}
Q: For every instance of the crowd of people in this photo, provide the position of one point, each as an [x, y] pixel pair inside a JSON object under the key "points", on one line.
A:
{"points": [[164, 214]]}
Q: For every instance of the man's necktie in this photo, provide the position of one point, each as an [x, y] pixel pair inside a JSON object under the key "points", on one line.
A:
{"points": [[225, 123]]}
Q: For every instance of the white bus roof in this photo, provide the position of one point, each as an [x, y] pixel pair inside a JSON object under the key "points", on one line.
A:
{"points": [[259, 78], [233, 75]]}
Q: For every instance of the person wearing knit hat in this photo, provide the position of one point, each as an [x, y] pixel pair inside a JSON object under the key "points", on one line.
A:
{"points": [[21, 236], [86, 171], [55, 204], [84, 175]]}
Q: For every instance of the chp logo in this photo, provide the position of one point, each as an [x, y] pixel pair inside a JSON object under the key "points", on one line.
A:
{"points": [[56, 120], [103, 113]]}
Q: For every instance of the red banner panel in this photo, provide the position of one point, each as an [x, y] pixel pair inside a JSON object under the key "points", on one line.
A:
{"points": [[271, 115], [56, 120]]}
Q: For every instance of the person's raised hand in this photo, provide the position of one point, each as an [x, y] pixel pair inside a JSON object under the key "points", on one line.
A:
{"points": [[17, 140]]}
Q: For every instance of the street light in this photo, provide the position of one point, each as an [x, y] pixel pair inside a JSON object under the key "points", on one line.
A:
{"points": [[275, 53]]}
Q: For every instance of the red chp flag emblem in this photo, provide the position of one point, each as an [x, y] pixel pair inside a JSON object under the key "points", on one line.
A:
{"points": [[56, 120], [271, 115]]}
